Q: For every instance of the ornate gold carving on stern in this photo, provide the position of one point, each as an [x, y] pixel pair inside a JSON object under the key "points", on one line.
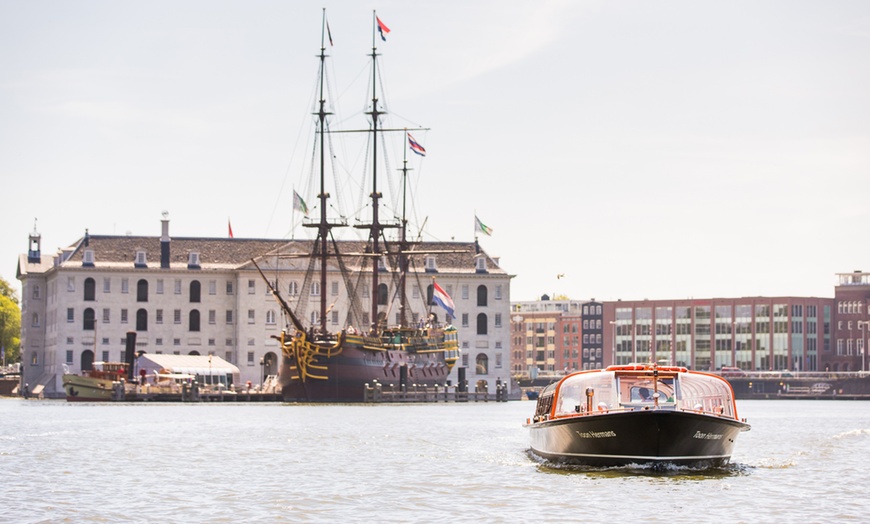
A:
{"points": [[306, 354]]}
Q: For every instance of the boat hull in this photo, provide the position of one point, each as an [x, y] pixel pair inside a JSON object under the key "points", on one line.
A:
{"points": [[87, 389], [347, 374], [638, 437]]}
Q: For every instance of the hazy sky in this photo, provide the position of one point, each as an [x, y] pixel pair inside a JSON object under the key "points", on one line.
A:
{"points": [[644, 149]]}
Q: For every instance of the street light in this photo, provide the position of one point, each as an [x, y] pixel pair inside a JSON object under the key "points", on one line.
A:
{"points": [[612, 342], [861, 324]]}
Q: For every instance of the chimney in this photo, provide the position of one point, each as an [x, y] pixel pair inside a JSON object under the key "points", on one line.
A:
{"points": [[164, 241]]}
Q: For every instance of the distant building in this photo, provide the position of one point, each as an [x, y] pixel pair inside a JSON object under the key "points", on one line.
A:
{"points": [[197, 296], [750, 333]]}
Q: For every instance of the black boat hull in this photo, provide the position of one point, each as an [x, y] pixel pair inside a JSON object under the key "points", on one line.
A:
{"points": [[638, 437]]}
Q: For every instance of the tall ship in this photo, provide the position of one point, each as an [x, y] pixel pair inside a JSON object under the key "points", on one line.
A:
{"points": [[323, 365]]}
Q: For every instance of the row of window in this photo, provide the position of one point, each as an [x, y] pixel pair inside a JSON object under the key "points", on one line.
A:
{"points": [[195, 289]]}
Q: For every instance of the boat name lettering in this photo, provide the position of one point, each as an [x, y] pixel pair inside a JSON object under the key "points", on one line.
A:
{"points": [[707, 436], [596, 434]]}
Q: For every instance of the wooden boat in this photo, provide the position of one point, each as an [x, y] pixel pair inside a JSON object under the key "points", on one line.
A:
{"points": [[95, 385], [323, 365], [641, 414]]}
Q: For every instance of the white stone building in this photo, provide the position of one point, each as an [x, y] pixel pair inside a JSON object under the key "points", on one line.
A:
{"points": [[204, 296]]}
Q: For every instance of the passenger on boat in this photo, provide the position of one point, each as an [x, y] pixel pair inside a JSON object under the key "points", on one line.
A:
{"points": [[644, 395]]}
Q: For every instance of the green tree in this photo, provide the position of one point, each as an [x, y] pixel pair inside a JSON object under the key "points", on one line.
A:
{"points": [[10, 322]]}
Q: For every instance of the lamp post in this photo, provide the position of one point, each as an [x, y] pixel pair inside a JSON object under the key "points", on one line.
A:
{"points": [[262, 370], [861, 324], [612, 342]]}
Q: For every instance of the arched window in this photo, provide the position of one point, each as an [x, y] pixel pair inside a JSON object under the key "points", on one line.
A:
{"points": [[430, 295], [195, 291], [142, 291], [481, 295], [482, 364], [141, 320], [194, 320], [383, 293], [481, 324], [87, 360], [90, 289], [89, 320]]}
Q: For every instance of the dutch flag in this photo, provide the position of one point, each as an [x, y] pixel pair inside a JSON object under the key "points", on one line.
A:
{"points": [[416, 147], [443, 299]]}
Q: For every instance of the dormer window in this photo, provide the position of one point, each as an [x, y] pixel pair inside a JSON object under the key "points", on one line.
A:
{"points": [[431, 267], [88, 258], [193, 260], [141, 259], [382, 264], [480, 265]]}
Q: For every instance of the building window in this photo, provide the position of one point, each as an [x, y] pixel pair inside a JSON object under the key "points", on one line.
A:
{"points": [[270, 317], [251, 316], [482, 299], [141, 260], [212, 287], [229, 316], [465, 320], [430, 264], [193, 318], [90, 289], [142, 291], [465, 291], [293, 289], [315, 288], [71, 284], [250, 355], [498, 294], [335, 288], [69, 356], [481, 364], [252, 287], [176, 316], [125, 285], [107, 285], [212, 316], [229, 287], [159, 286], [158, 316], [383, 294], [195, 291], [70, 315], [481, 324], [106, 315], [141, 320], [497, 320], [89, 320], [123, 316], [177, 286]]}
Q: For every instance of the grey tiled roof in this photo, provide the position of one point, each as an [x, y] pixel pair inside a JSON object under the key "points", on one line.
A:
{"points": [[119, 251]]}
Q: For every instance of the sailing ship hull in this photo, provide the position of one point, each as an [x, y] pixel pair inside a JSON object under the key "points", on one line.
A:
{"points": [[87, 389], [347, 374]]}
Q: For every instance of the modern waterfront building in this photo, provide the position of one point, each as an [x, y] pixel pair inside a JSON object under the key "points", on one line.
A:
{"points": [[198, 296], [750, 333]]}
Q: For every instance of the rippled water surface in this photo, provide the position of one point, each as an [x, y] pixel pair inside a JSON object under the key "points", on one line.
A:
{"points": [[803, 461]]}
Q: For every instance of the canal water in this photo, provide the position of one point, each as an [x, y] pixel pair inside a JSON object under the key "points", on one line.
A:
{"points": [[803, 461]]}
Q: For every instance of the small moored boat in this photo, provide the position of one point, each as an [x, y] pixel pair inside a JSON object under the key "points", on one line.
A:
{"points": [[637, 414], [96, 384]]}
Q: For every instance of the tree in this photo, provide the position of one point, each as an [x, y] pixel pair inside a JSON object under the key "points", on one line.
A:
{"points": [[10, 322]]}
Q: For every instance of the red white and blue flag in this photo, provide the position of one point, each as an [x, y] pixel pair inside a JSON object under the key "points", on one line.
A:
{"points": [[443, 299], [415, 147], [382, 29]]}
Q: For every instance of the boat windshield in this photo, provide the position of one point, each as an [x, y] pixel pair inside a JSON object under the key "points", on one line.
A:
{"points": [[572, 393], [611, 390]]}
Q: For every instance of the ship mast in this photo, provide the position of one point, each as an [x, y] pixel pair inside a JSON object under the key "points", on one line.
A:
{"points": [[323, 225], [376, 227]]}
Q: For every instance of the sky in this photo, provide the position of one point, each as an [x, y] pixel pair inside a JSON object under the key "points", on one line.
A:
{"points": [[642, 149]]}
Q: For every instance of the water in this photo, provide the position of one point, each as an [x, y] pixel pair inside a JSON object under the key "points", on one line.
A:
{"points": [[803, 461]]}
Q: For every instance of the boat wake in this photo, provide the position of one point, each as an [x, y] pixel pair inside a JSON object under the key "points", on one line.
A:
{"points": [[655, 470]]}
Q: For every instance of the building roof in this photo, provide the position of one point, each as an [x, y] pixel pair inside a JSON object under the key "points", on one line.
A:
{"points": [[119, 252]]}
